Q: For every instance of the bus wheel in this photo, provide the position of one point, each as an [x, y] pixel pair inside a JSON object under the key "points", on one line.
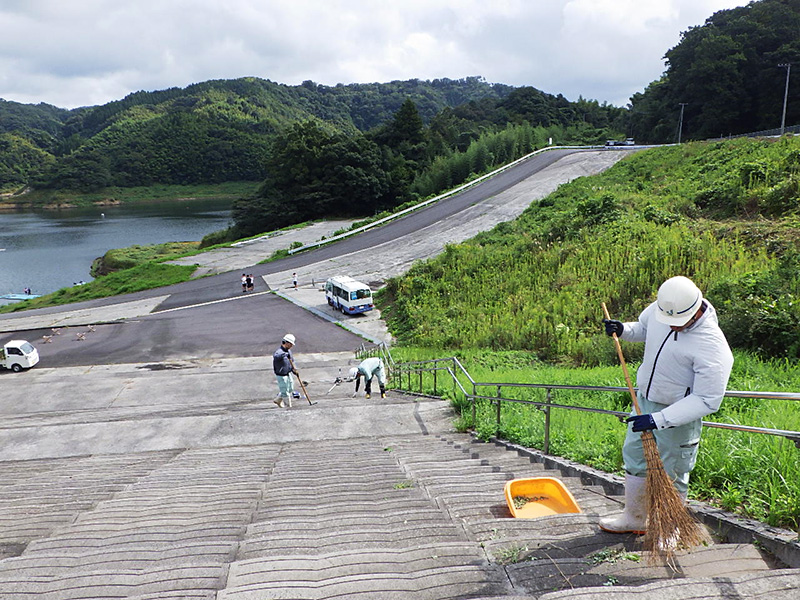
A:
{"points": [[344, 312]]}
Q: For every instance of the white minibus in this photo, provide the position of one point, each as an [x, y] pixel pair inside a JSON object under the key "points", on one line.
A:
{"points": [[348, 295]]}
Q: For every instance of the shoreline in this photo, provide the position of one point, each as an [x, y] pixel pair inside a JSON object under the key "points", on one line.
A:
{"points": [[30, 199]]}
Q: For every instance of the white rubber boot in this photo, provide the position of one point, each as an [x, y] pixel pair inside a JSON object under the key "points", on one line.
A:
{"points": [[633, 518]]}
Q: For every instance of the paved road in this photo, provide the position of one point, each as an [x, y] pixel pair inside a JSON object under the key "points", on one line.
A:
{"points": [[247, 326], [223, 322]]}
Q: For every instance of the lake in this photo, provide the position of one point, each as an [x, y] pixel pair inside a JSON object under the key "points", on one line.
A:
{"points": [[46, 250]]}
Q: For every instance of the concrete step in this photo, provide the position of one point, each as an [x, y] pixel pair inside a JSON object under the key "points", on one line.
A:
{"points": [[51, 565], [118, 584], [781, 584], [425, 571]]}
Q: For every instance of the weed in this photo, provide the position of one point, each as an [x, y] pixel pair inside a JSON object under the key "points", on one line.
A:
{"points": [[510, 555], [612, 556]]}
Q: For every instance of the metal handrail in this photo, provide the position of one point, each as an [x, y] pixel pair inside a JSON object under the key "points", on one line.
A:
{"points": [[546, 405]]}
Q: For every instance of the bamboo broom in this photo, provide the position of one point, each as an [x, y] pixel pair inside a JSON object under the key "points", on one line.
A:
{"points": [[670, 526]]}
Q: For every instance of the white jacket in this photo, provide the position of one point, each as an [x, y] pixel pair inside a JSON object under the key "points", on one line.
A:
{"points": [[687, 370], [371, 367]]}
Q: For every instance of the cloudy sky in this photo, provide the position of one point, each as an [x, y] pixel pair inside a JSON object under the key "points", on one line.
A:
{"points": [[72, 53]]}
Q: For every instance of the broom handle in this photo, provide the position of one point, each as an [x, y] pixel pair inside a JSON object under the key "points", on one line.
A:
{"points": [[624, 366], [302, 386]]}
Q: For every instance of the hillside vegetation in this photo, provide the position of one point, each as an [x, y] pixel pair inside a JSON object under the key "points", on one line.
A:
{"points": [[219, 131], [724, 214], [729, 74]]}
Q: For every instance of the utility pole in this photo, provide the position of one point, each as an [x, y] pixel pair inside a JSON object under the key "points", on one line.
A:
{"points": [[788, 67], [680, 123]]}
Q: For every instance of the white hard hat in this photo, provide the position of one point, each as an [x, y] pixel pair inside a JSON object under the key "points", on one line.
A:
{"points": [[678, 301], [288, 338], [353, 372]]}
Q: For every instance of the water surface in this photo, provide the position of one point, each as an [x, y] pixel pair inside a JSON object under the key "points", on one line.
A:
{"points": [[46, 250]]}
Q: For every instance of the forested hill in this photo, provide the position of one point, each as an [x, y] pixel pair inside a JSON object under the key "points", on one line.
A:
{"points": [[729, 75], [221, 130]]}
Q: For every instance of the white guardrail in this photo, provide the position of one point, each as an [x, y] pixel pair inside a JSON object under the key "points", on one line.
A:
{"points": [[460, 188]]}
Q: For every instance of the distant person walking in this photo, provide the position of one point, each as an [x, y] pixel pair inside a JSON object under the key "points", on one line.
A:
{"points": [[368, 369], [250, 283], [244, 282], [294, 280], [282, 365]]}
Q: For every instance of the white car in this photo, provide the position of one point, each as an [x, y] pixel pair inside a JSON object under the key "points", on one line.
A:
{"points": [[18, 355]]}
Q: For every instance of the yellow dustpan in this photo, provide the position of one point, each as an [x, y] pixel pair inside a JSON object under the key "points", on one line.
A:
{"points": [[538, 497]]}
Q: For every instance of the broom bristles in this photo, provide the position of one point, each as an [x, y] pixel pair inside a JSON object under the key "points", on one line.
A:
{"points": [[670, 526]]}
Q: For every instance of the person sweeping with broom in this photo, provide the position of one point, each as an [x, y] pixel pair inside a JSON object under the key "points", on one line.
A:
{"points": [[682, 378]]}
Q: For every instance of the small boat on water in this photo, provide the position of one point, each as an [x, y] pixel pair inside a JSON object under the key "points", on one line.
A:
{"points": [[19, 296]]}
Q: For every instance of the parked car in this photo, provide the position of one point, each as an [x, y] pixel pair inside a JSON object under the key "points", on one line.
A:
{"points": [[18, 355]]}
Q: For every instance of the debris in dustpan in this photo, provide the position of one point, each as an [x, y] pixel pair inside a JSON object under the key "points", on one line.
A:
{"points": [[539, 497], [520, 501]]}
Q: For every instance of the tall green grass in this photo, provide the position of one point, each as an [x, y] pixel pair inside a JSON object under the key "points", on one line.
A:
{"points": [[725, 214]]}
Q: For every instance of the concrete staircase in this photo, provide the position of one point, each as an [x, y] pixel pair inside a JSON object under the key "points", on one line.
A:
{"points": [[411, 516]]}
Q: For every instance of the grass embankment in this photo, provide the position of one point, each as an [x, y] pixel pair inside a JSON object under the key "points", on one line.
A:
{"points": [[726, 214], [55, 199], [118, 259]]}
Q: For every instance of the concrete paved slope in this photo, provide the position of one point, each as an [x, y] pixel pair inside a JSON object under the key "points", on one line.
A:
{"points": [[401, 515], [184, 480]]}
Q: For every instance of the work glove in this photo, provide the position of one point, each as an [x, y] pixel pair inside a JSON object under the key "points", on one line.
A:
{"points": [[613, 327], [642, 422]]}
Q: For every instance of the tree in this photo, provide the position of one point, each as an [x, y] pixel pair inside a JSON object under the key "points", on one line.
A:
{"points": [[727, 73], [313, 173]]}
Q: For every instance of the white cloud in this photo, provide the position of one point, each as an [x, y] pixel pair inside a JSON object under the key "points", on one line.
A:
{"points": [[85, 52]]}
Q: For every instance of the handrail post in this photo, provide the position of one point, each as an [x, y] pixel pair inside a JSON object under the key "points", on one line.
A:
{"points": [[499, 395], [434, 381], [420, 380], [546, 409], [474, 405]]}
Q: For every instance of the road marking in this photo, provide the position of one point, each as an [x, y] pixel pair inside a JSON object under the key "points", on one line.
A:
{"points": [[242, 297]]}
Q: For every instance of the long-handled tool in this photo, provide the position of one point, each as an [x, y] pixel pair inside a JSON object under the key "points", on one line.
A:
{"points": [[669, 524], [336, 382], [302, 385]]}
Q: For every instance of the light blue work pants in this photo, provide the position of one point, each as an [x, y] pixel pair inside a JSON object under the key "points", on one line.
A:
{"points": [[676, 445], [285, 385]]}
